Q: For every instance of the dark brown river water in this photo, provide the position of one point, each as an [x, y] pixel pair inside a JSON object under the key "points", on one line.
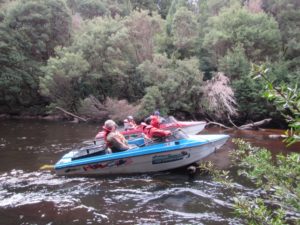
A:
{"points": [[32, 196]]}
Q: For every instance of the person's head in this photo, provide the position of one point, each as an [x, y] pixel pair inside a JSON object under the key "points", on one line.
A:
{"points": [[109, 125], [156, 113], [130, 118]]}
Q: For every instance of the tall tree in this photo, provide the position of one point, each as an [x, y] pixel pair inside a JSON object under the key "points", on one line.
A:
{"points": [[142, 30], [18, 75], [180, 35], [184, 32], [64, 75], [258, 33], [92, 8], [40, 26], [287, 14], [29, 32], [140, 5], [179, 83], [251, 105], [105, 44]]}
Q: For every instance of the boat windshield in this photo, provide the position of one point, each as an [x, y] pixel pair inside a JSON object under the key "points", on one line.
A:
{"points": [[170, 119], [179, 134], [88, 151]]}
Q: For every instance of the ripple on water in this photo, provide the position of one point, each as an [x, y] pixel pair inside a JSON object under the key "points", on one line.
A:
{"points": [[126, 200], [23, 188], [47, 197]]}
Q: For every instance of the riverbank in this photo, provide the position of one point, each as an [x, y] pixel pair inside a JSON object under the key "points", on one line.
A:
{"points": [[54, 117]]}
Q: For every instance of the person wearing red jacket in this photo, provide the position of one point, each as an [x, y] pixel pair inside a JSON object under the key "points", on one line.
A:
{"points": [[154, 133], [155, 119], [129, 123]]}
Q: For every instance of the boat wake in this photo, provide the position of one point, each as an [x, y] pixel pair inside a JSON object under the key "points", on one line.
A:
{"points": [[111, 200]]}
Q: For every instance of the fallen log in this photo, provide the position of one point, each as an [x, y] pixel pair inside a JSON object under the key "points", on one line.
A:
{"points": [[248, 126], [71, 114], [254, 125], [277, 136], [218, 124]]}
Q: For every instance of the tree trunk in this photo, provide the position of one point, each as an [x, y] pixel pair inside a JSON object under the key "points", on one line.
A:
{"points": [[71, 114], [248, 126]]}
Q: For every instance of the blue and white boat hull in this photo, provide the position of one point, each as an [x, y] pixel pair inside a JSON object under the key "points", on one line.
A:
{"points": [[152, 158]]}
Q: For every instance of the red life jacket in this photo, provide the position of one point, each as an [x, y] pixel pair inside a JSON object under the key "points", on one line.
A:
{"points": [[155, 121], [153, 132], [100, 134], [118, 136], [106, 132]]}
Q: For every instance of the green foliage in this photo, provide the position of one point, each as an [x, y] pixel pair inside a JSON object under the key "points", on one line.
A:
{"points": [[256, 162], [144, 5], [155, 72], [257, 33], [91, 8], [283, 71], [142, 31], [179, 21], [183, 32], [287, 14], [104, 43], [221, 176], [29, 32], [63, 78], [39, 26], [179, 83], [114, 48], [182, 90], [251, 105], [235, 63], [213, 7], [153, 100], [14, 73], [256, 212], [285, 98], [163, 7], [281, 178], [120, 41]]}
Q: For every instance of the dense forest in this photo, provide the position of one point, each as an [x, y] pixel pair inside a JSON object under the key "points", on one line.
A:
{"points": [[112, 58]]}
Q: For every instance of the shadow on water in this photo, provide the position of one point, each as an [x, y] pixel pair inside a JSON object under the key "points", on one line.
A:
{"points": [[31, 196]]}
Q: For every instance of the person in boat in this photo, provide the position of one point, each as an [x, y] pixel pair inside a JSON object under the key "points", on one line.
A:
{"points": [[113, 138], [155, 120], [99, 135], [154, 134], [129, 123]]}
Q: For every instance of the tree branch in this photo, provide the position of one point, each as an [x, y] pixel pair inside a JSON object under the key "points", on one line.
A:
{"points": [[71, 114], [243, 127]]}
